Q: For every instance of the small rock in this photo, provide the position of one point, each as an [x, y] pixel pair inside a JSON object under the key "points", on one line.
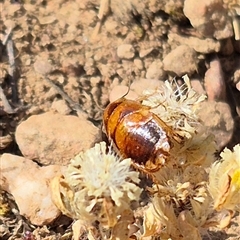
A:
{"points": [[126, 51], [106, 69], [138, 63], [52, 138], [111, 25], [221, 124], [214, 81], [42, 66], [90, 66], [197, 85], [94, 81], [205, 46], [139, 86], [61, 107], [144, 52], [209, 17], [182, 60], [29, 185], [10, 24], [155, 70]]}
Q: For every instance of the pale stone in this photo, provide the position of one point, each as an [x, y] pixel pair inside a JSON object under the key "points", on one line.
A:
{"points": [[29, 185], [52, 138]]}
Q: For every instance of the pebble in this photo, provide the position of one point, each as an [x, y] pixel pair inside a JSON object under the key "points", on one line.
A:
{"points": [[197, 85], [221, 124], [126, 51], [144, 52], [106, 69], [214, 81], [61, 107], [155, 70], [140, 85], [182, 60], [42, 66], [209, 18], [205, 46], [52, 138], [138, 63], [29, 185]]}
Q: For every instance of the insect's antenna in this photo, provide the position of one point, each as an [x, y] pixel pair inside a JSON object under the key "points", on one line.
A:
{"points": [[125, 94], [128, 85]]}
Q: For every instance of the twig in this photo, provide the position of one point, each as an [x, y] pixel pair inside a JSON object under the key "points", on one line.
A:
{"points": [[73, 104], [12, 67], [104, 6], [6, 106], [4, 41]]}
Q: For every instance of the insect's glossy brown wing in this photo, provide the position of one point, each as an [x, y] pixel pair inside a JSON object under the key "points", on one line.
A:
{"points": [[172, 134], [115, 112], [137, 136]]}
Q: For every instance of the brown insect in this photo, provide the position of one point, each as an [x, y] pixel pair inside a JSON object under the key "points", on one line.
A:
{"points": [[138, 133]]}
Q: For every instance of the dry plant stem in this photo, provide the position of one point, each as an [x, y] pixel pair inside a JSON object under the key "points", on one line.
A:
{"points": [[6, 106], [7, 37], [236, 27], [104, 4], [12, 68], [74, 105]]}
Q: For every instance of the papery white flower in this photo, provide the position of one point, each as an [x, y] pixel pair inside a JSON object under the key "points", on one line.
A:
{"points": [[224, 180], [182, 185], [198, 149], [176, 107], [103, 174], [97, 185]]}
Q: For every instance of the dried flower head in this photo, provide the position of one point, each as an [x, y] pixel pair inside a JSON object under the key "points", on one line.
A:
{"points": [[182, 207], [97, 185], [175, 105], [178, 106], [161, 219], [199, 149], [181, 186], [224, 180]]}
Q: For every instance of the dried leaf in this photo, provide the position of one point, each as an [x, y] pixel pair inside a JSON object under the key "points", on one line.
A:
{"points": [[187, 228], [56, 194], [151, 224], [78, 229], [120, 231]]}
